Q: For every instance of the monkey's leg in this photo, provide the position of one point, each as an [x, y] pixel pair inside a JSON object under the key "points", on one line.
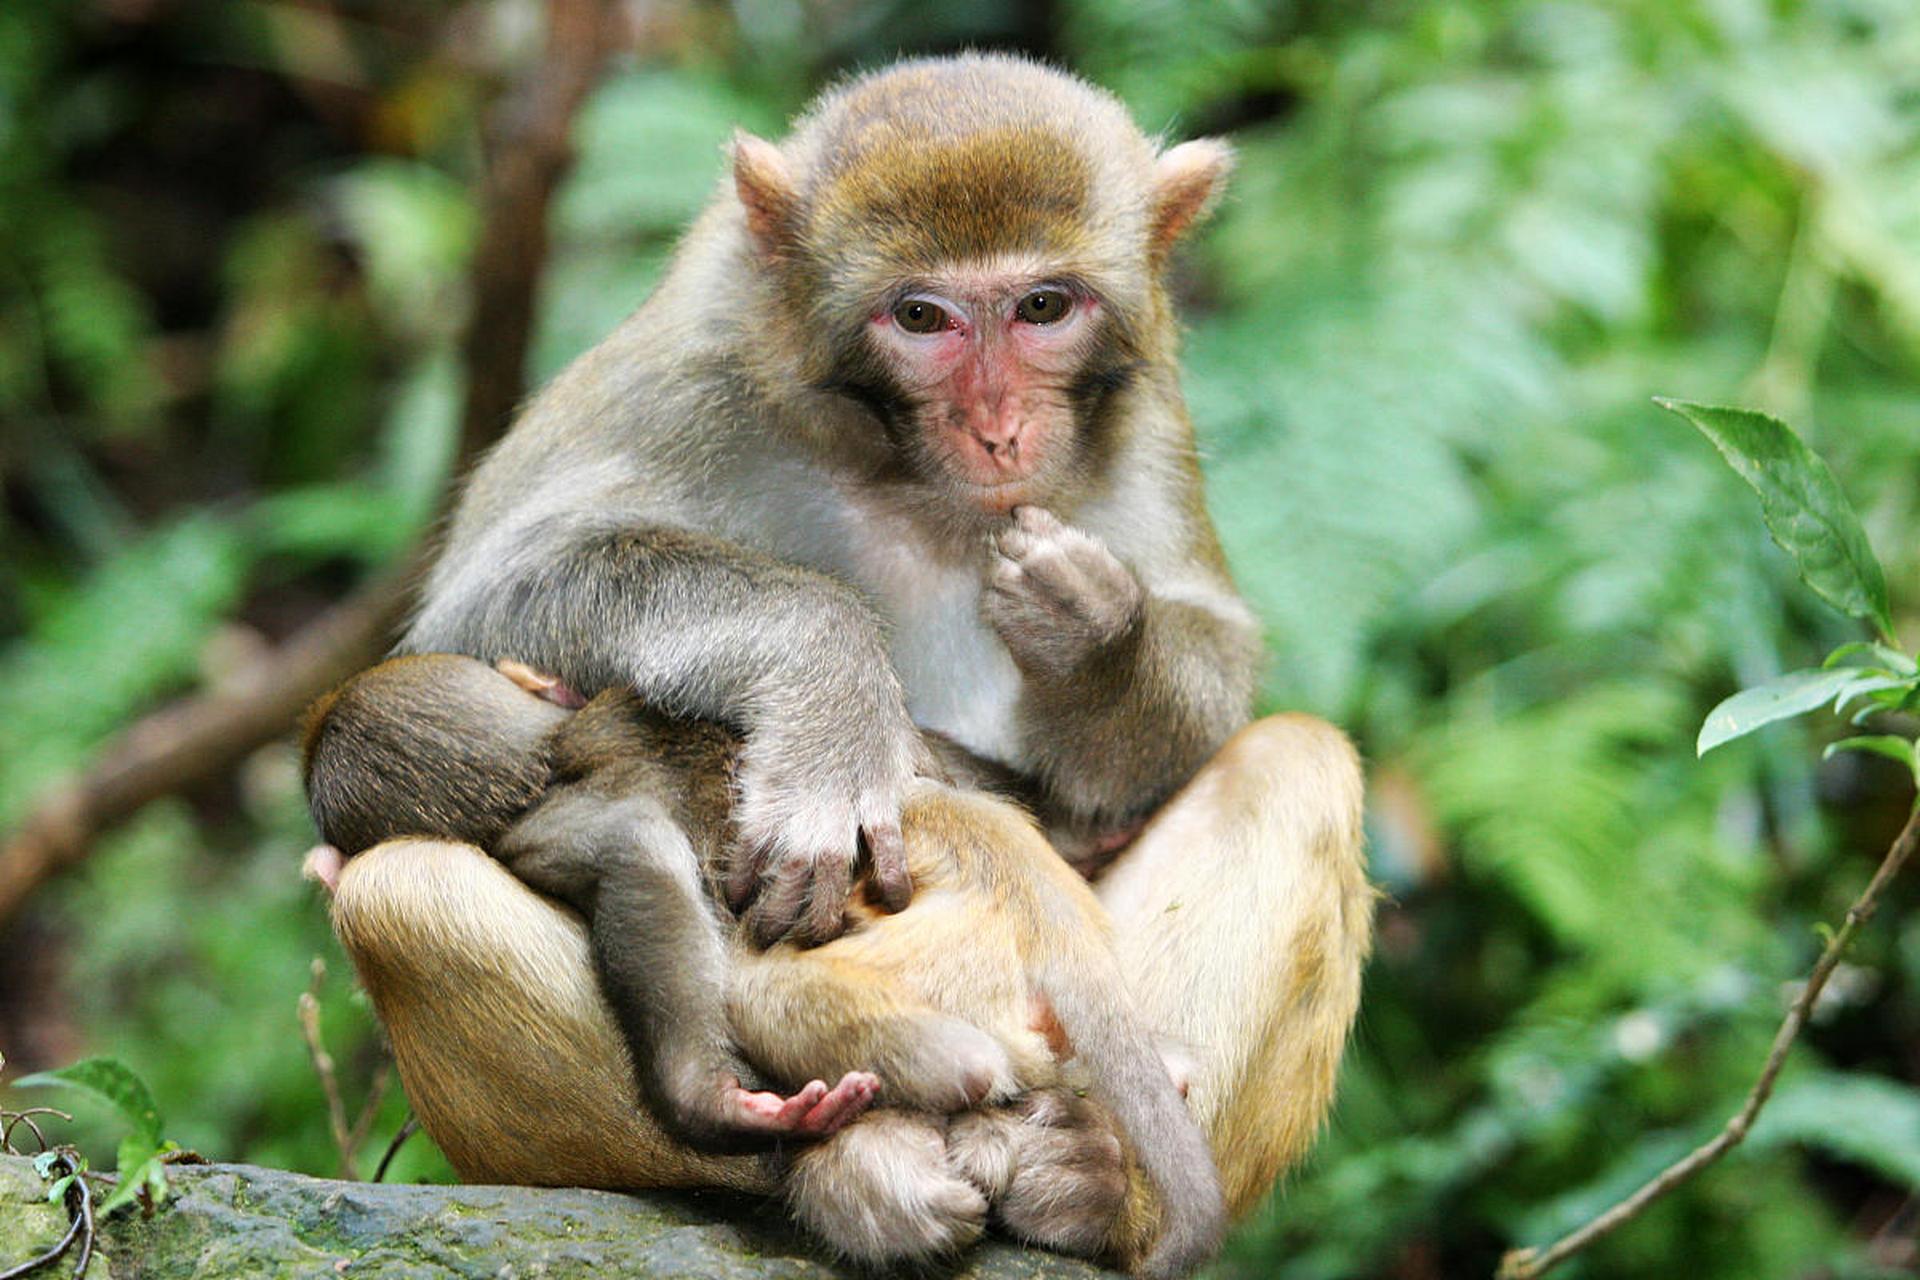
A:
{"points": [[665, 966], [798, 1015], [1242, 918], [510, 1060]]}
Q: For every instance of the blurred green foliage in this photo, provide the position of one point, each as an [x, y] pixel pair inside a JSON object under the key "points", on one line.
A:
{"points": [[1467, 242]]}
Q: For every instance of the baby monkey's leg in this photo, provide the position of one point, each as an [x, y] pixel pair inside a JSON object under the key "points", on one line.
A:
{"points": [[799, 1014], [630, 870]]}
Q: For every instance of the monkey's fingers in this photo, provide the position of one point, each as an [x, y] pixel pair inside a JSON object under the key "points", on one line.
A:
{"points": [[743, 876], [846, 1100], [322, 864], [814, 1112], [1032, 519], [540, 684], [777, 906], [887, 864], [826, 910]]}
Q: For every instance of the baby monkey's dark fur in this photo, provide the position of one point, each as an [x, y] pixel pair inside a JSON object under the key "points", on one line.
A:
{"points": [[594, 809], [607, 809]]}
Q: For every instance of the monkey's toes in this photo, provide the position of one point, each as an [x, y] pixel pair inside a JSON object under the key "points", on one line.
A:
{"points": [[1069, 1180], [883, 1194], [841, 1104], [816, 1111], [948, 1065], [759, 1112]]}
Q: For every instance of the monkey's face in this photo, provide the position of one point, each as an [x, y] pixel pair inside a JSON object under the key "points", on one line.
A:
{"points": [[985, 373], [973, 250]]}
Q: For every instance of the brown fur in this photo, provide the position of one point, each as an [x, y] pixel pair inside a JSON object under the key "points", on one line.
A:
{"points": [[740, 507]]}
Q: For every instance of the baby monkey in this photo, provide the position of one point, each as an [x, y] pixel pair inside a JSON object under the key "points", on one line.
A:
{"points": [[1001, 966], [525, 779]]}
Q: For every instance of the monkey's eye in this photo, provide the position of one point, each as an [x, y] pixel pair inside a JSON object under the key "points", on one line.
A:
{"points": [[917, 315], [1043, 306]]}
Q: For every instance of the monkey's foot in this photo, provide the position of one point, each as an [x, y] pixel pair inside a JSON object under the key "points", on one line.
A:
{"points": [[540, 684], [1052, 1165], [814, 1112], [943, 1064], [322, 865], [883, 1193]]}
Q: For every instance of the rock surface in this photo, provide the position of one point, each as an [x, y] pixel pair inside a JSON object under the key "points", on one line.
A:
{"points": [[241, 1221]]}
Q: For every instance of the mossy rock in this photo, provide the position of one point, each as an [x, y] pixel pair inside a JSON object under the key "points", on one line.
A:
{"points": [[245, 1222]]}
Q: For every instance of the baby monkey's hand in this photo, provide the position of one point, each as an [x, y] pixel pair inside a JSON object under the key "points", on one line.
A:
{"points": [[1055, 594]]}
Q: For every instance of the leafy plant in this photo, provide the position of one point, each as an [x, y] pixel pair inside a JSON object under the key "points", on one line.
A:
{"points": [[143, 1155], [1810, 518]]}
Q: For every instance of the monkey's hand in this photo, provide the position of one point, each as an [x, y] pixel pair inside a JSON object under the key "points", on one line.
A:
{"points": [[810, 809], [1055, 594], [815, 1112]]}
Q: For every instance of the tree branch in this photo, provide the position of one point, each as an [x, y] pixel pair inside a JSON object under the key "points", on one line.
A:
{"points": [[529, 150], [1525, 1264], [198, 737]]}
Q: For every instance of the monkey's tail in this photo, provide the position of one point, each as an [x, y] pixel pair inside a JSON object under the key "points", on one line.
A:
{"points": [[1130, 1077]]}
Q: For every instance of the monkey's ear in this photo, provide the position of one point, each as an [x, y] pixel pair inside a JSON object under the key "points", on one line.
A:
{"points": [[765, 187], [1187, 180]]}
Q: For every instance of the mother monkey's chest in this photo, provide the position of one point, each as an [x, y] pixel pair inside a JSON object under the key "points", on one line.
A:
{"points": [[959, 678]]}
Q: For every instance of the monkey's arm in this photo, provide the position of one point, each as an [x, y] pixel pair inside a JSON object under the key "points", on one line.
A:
{"points": [[1129, 687], [701, 627]]}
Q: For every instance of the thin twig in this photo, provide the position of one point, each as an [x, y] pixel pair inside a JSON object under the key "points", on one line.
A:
{"points": [[11, 1120], [1525, 1264], [369, 1109], [323, 1067], [199, 737], [407, 1130], [86, 1225]]}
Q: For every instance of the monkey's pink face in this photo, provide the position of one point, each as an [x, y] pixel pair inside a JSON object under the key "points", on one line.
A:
{"points": [[990, 365]]}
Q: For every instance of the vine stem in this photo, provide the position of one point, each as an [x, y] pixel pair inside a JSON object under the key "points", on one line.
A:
{"points": [[1526, 1264]]}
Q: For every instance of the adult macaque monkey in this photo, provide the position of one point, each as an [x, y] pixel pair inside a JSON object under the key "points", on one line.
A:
{"points": [[898, 440]]}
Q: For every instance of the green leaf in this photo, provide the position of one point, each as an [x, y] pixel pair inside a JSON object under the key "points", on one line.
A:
{"points": [[43, 1164], [131, 1180], [1870, 1120], [149, 1171], [1803, 505], [1883, 689], [1891, 659], [114, 1082], [1789, 695], [1890, 745]]}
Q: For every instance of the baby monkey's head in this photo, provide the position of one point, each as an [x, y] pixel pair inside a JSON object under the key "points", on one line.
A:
{"points": [[486, 759]]}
